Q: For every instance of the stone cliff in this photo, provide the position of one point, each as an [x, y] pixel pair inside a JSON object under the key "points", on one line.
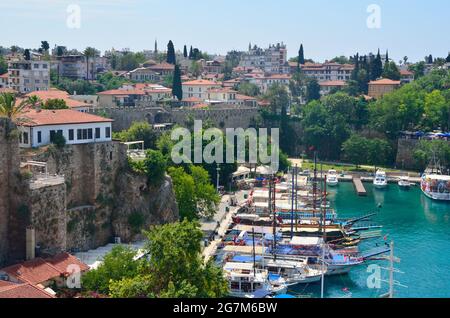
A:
{"points": [[89, 197]]}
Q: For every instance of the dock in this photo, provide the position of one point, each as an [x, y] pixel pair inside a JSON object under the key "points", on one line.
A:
{"points": [[359, 187]]}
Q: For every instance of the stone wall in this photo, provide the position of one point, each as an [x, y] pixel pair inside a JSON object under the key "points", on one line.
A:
{"points": [[223, 117], [405, 151], [102, 193], [47, 215]]}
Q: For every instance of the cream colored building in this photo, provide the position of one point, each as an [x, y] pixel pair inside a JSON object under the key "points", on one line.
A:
{"points": [[381, 87]]}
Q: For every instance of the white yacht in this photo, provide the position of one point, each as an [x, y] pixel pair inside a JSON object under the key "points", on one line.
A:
{"points": [[245, 281], [404, 183], [293, 271], [380, 180], [436, 186], [332, 178]]}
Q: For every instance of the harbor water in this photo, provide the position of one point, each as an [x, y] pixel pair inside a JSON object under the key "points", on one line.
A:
{"points": [[420, 229]]}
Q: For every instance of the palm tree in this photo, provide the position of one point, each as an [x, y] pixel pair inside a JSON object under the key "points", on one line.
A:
{"points": [[11, 108], [88, 53], [34, 101]]}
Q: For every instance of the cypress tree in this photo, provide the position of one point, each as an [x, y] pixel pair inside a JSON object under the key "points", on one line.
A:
{"points": [[190, 53], [387, 56], [301, 56], [177, 89], [170, 53], [430, 59], [27, 54], [185, 53], [376, 67], [448, 58]]}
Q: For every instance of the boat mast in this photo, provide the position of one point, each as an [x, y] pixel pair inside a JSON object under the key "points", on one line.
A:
{"points": [[315, 183], [292, 203], [296, 197], [273, 203], [324, 235], [254, 253]]}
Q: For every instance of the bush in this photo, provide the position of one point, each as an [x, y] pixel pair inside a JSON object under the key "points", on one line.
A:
{"points": [[136, 221], [59, 141]]}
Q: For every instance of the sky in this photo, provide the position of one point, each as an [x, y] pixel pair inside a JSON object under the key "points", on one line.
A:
{"points": [[327, 28]]}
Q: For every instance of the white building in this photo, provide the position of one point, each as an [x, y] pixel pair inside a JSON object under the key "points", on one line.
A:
{"points": [[272, 60], [40, 127], [265, 82], [328, 71], [28, 76], [198, 88]]}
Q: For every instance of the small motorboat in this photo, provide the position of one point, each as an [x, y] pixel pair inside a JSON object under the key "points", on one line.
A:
{"points": [[380, 181], [332, 178], [404, 183]]}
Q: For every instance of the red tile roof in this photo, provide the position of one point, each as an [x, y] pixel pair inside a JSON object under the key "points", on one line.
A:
{"points": [[60, 117], [123, 92], [57, 94], [201, 82], [333, 83], [162, 66], [35, 271], [24, 291], [4, 75], [244, 97], [384, 81], [63, 261], [406, 72], [192, 99]]}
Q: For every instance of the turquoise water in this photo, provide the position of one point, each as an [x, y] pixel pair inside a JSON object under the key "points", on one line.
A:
{"points": [[420, 229]]}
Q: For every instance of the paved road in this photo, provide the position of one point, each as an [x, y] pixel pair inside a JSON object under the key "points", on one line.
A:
{"points": [[224, 219]]}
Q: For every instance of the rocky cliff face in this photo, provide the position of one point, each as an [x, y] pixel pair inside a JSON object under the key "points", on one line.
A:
{"points": [[105, 199]]}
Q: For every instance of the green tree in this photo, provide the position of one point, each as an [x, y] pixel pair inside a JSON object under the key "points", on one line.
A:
{"points": [[184, 188], [177, 88], [175, 269], [117, 265], [436, 111], [139, 131], [312, 90], [45, 46], [171, 53], [89, 53], [185, 53], [176, 260], [155, 166], [248, 89], [27, 55], [3, 66], [55, 104], [355, 150], [205, 195], [301, 55], [391, 71], [376, 67], [425, 150], [11, 108]]}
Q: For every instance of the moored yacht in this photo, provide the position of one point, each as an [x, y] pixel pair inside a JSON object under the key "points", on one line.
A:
{"points": [[245, 281], [436, 186], [404, 183], [332, 178], [380, 181]]}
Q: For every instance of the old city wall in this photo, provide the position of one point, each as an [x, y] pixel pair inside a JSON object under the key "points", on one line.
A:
{"points": [[224, 117]]}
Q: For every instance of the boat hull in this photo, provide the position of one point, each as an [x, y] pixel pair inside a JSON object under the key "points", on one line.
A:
{"points": [[437, 196]]}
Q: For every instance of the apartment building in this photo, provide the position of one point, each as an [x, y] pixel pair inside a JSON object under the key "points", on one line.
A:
{"points": [[328, 71], [272, 60], [4, 80], [198, 88], [26, 76], [134, 95], [75, 66]]}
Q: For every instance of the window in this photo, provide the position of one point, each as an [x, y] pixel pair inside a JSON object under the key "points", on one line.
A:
{"points": [[44, 65], [89, 133], [79, 134], [71, 134], [108, 132], [97, 133], [25, 138], [36, 65], [84, 134], [52, 135], [39, 137]]}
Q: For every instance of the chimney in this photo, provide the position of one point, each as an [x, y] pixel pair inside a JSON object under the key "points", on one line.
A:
{"points": [[30, 243]]}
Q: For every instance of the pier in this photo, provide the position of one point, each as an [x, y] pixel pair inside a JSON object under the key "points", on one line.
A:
{"points": [[359, 187]]}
